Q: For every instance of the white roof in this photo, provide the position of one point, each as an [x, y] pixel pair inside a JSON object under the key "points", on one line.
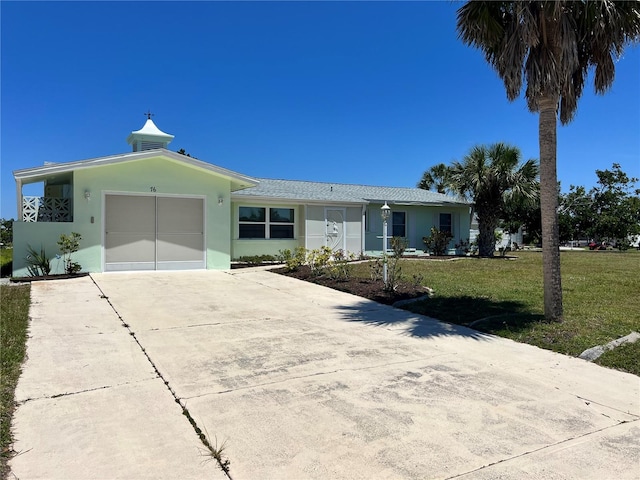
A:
{"points": [[150, 128]]}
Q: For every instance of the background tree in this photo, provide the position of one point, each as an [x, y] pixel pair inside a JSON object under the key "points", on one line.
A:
{"points": [[437, 177], [6, 232], [575, 215], [552, 45], [492, 177]]}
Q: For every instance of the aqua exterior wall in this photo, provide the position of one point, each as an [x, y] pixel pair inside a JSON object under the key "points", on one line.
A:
{"points": [[317, 229], [248, 247], [419, 221], [155, 176]]}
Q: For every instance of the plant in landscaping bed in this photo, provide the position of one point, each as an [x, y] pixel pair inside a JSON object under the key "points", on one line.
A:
{"points": [[253, 260], [463, 247], [293, 260], [339, 267], [38, 265], [394, 270], [70, 244], [437, 242], [318, 259]]}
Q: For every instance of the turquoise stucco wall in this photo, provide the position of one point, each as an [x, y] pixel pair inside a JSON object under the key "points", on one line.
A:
{"points": [[271, 246], [419, 221], [155, 176]]}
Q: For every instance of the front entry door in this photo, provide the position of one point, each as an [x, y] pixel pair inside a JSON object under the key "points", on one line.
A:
{"points": [[335, 225]]}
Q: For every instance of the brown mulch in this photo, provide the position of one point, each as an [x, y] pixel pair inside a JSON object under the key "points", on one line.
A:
{"points": [[48, 277], [373, 290]]}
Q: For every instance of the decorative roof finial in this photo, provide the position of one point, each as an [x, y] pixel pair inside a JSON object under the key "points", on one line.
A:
{"points": [[149, 114]]}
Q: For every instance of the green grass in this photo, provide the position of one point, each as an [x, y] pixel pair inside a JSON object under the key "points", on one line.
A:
{"points": [[601, 299], [6, 260], [14, 305]]}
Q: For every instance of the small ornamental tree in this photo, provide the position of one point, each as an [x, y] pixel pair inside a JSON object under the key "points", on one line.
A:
{"points": [[70, 244]]}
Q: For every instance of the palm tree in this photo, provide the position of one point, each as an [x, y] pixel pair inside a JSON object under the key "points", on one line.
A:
{"points": [[551, 45], [436, 177], [491, 177]]}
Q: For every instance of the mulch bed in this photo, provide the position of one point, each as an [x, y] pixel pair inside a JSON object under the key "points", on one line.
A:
{"points": [[47, 277], [373, 290]]}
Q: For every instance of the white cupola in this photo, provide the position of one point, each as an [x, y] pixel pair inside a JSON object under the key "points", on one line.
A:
{"points": [[149, 137]]}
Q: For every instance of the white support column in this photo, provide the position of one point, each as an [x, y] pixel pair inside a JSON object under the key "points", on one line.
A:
{"points": [[19, 198]]}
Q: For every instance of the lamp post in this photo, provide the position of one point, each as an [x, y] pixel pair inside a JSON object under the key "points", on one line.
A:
{"points": [[385, 211]]}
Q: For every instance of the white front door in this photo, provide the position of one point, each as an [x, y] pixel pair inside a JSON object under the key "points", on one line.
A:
{"points": [[335, 228]]}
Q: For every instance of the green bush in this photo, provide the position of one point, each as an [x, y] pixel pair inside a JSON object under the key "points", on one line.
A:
{"points": [[437, 242], [339, 267], [394, 270], [255, 260], [292, 260], [70, 244]]}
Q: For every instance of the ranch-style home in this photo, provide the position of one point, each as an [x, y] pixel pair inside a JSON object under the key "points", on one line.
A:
{"points": [[154, 209]]}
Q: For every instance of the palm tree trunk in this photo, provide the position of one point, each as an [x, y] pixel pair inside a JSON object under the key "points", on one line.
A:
{"points": [[549, 209], [486, 237]]}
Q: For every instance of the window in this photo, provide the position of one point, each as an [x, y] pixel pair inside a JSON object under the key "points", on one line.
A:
{"points": [[446, 223], [254, 223], [281, 223], [398, 224]]}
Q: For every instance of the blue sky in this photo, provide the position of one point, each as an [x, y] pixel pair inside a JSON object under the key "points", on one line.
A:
{"points": [[358, 92]]}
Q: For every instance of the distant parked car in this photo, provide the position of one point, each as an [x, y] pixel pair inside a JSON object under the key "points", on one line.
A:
{"points": [[597, 246]]}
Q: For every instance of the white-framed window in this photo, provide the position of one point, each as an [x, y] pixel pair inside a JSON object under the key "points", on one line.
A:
{"points": [[263, 222], [446, 223], [398, 224]]}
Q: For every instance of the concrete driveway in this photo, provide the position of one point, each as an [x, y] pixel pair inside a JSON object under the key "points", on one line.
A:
{"points": [[299, 381]]}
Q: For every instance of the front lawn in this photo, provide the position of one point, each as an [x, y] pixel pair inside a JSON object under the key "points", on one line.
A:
{"points": [[504, 297], [14, 304]]}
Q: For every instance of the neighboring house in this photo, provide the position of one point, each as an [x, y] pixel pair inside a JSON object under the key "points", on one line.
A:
{"points": [[154, 209]]}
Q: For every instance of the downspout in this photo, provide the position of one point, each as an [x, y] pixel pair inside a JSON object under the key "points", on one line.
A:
{"points": [[306, 227]]}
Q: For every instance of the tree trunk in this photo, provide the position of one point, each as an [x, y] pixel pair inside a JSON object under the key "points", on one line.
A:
{"points": [[549, 209], [486, 235]]}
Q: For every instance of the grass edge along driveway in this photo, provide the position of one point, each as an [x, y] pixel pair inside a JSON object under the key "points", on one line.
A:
{"points": [[14, 320]]}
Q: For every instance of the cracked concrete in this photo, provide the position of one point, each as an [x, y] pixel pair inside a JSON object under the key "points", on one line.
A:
{"points": [[303, 382]]}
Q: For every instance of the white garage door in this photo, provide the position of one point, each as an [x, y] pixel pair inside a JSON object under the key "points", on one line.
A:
{"points": [[153, 233]]}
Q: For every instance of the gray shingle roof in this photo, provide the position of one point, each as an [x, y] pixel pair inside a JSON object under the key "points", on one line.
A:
{"points": [[346, 193]]}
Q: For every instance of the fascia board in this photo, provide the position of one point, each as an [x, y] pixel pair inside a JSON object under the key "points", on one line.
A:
{"points": [[241, 181], [296, 201]]}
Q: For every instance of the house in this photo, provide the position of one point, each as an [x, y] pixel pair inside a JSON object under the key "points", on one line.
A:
{"points": [[154, 209]]}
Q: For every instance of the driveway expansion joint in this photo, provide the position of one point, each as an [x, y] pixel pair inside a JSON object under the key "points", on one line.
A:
{"points": [[215, 453], [546, 447]]}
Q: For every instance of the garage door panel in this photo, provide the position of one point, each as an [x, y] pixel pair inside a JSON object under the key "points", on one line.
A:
{"points": [[179, 247], [131, 248], [154, 233], [180, 215], [130, 214]]}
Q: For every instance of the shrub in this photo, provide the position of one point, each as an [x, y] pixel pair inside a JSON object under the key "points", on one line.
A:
{"points": [[293, 260], [70, 244], [37, 263], [437, 242], [255, 260], [318, 259], [339, 267], [394, 271]]}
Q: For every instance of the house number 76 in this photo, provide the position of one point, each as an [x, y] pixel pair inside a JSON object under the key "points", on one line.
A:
{"points": [[153, 189]]}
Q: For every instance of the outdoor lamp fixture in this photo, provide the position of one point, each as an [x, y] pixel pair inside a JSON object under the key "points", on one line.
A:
{"points": [[87, 195], [385, 212], [220, 200]]}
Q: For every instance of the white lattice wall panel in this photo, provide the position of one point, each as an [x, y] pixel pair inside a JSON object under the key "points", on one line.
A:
{"points": [[45, 209]]}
